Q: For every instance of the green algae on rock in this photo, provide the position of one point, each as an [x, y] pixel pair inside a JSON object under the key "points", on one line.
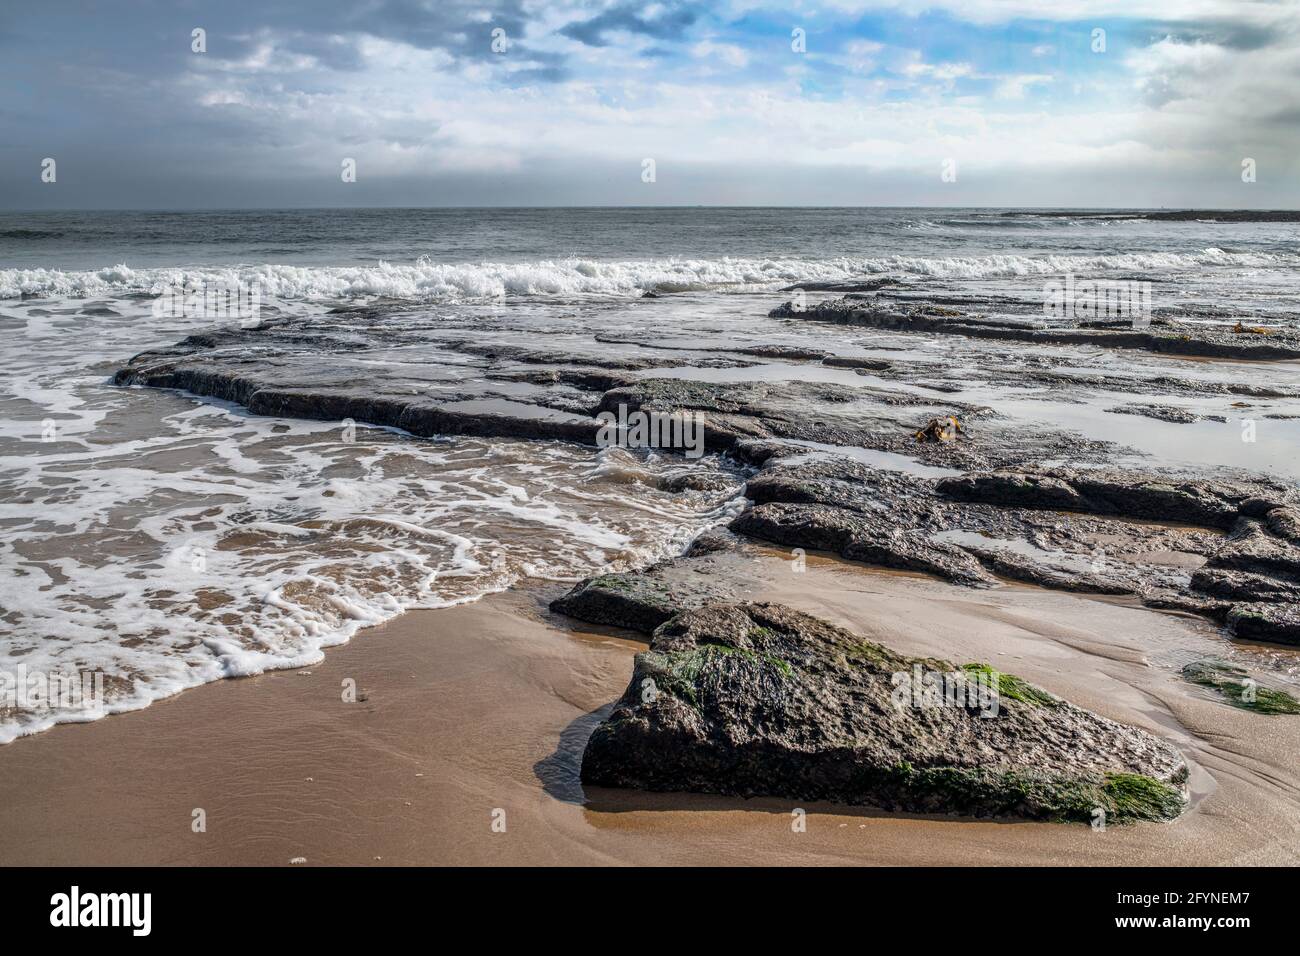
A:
{"points": [[754, 699], [1236, 686]]}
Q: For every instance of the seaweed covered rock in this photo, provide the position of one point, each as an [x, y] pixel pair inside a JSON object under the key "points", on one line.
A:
{"points": [[1236, 686], [759, 699]]}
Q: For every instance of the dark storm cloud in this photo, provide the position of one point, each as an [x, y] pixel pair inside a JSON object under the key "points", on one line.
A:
{"points": [[147, 36], [670, 23], [451, 26], [1236, 36]]}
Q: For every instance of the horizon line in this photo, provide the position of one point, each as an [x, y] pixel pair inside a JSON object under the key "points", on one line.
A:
{"points": [[199, 209]]}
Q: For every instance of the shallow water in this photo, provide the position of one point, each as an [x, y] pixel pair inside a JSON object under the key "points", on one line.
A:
{"points": [[168, 541]]}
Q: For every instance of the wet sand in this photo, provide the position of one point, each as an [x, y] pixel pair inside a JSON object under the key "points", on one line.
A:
{"points": [[472, 710]]}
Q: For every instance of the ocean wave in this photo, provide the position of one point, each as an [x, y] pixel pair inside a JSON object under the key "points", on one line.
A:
{"points": [[993, 222], [425, 280]]}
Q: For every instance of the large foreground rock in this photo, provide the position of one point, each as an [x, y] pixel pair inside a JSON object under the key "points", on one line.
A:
{"points": [[759, 699]]}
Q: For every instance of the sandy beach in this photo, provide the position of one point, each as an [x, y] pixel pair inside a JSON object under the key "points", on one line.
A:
{"points": [[466, 712]]}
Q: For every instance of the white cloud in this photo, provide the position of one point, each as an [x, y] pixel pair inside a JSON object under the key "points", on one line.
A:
{"points": [[939, 71], [266, 57], [863, 47], [1015, 87], [861, 56], [1171, 69], [727, 53]]}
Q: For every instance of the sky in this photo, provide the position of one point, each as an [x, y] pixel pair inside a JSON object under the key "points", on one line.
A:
{"points": [[1105, 103]]}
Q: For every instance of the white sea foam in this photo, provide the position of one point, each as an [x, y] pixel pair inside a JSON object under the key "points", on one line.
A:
{"points": [[171, 563], [425, 280], [168, 542]]}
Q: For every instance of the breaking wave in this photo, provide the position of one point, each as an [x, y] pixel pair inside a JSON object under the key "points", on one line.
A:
{"points": [[425, 280]]}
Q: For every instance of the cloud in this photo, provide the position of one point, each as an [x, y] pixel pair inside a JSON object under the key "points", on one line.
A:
{"points": [[414, 92], [662, 21], [1016, 87], [1173, 70], [728, 53], [1222, 92], [938, 71]]}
